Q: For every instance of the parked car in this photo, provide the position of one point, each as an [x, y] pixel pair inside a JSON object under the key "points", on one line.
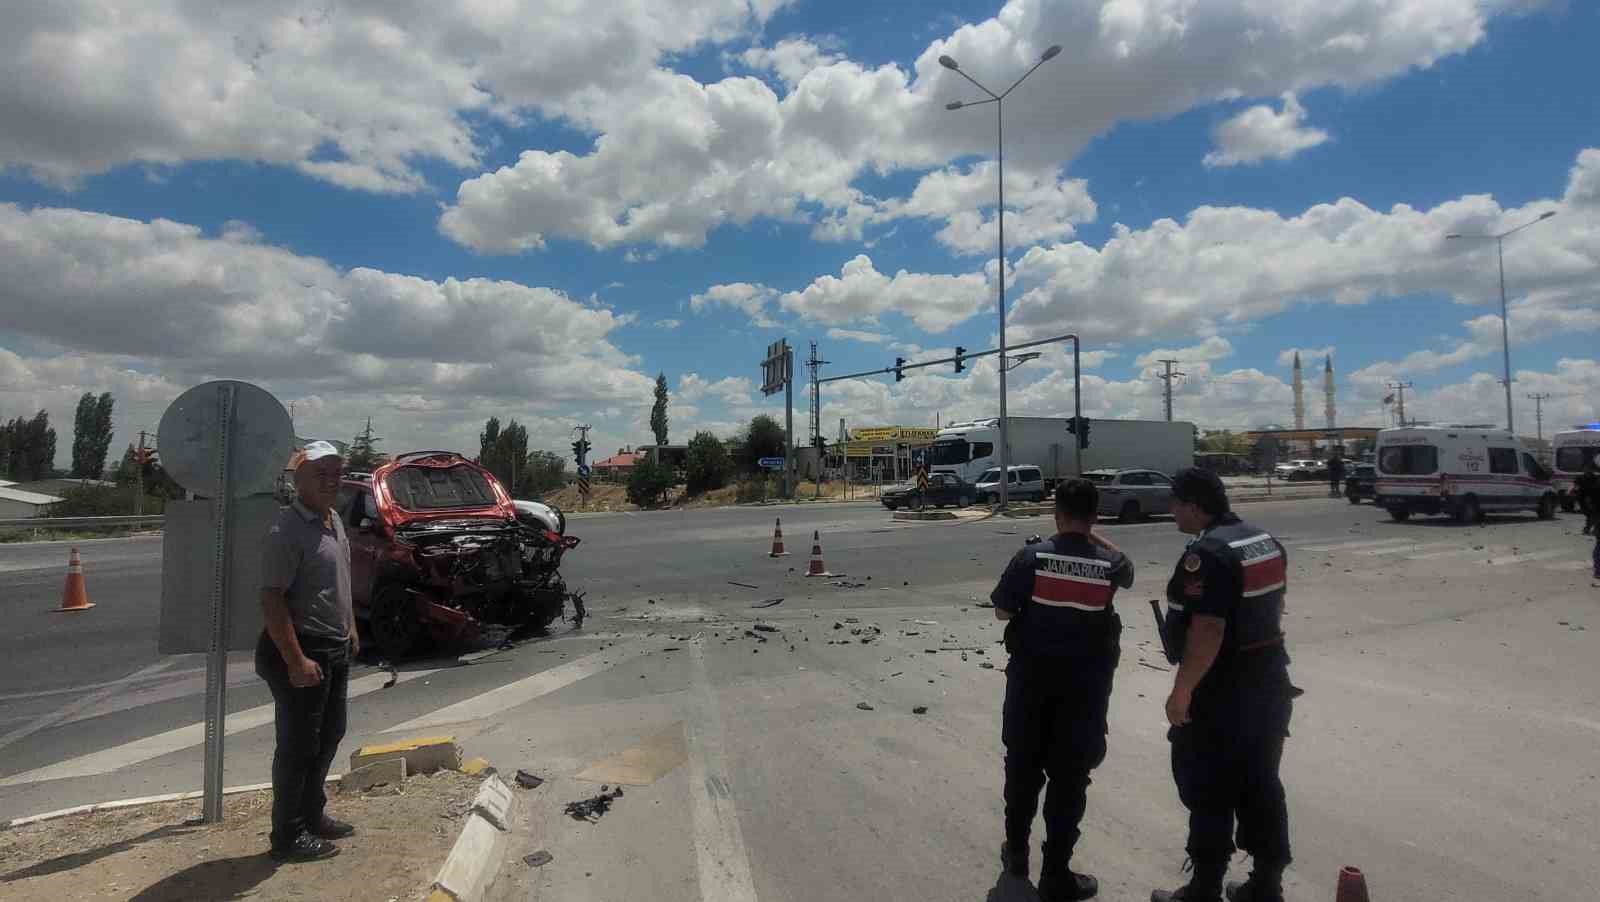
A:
{"points": [[1132, 494], [438, 548], [1302, 470], [1362, 482], [1025, 482], [943, 489]]}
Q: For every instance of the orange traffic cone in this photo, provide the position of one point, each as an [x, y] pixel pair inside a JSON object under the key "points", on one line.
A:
{"points": [[777, 540], [816, 568], [1352, 885], [74, 597]]}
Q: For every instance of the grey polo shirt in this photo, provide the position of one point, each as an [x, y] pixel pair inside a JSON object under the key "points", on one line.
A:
{"points": [[308, 559]]}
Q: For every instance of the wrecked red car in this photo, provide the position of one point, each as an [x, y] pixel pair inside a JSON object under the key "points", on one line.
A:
{"points": [[438, 549]]}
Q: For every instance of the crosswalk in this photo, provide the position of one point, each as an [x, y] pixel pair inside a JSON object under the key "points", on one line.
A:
{"points": [[1412, 549]]}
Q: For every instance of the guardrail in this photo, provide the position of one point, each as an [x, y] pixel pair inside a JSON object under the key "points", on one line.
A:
{"points": [[80, 522]]}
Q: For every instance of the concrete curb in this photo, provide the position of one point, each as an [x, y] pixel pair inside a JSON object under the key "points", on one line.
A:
{"points": [[475, 858], [136, 802]]}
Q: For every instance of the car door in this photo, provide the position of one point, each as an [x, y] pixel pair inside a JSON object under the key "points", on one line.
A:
{"points": [[366, 543], [1160, 494], [1136, 486]]}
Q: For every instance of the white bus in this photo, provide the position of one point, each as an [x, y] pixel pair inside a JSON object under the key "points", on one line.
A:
{"points": [[1459, 470]]}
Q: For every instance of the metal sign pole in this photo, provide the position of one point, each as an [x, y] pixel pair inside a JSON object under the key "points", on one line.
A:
{"points": [[217, 657]]}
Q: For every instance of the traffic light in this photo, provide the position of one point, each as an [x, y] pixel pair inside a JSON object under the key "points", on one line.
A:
{"points": [[899, 362], [960, 353], [1072, 426], [577, 449], [1083, 433]]}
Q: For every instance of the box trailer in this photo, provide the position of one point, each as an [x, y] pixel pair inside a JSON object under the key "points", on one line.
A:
{"points": [[968, 449]]}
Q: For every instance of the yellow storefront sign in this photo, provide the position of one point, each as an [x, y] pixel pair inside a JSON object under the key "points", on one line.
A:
{"points": [[892, 434]]}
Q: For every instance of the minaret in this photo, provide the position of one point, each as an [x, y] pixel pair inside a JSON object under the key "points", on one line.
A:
{"points": [[1299, 395], [1327, 388]]}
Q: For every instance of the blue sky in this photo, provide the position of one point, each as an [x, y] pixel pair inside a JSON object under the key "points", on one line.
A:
{"points": [[746, 171]]}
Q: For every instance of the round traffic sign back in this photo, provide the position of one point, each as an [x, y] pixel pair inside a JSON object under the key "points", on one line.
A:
{"points": [[191, 431]]}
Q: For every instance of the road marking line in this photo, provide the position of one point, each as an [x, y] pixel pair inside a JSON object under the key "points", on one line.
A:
{"points": [[1568, 565], [525, 690], [176, 740], [1526, 556], [54, 717], [1402, 549], [1457, 552], [724, 865], [1347, 546]]}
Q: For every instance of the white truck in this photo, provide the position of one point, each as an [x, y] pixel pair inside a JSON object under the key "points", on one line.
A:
{"points": [[968, 449], [1573, 450]]}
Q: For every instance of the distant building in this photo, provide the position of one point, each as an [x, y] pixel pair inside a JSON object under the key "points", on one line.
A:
{"points": [[16, 503], [617, 467], [60, 486]]}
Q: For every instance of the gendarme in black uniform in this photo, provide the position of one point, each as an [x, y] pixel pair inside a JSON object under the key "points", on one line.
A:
{"points": [[1064, 648], [1225, 759]]}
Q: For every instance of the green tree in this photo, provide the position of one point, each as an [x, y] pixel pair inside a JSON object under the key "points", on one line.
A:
{"points": [[648, 482], [546, 472], [157, 484], [364, 454], [1225, 441], [764, 439], [504, 452], [658, 413], [708, 465], [30, 448], [91, 435]]}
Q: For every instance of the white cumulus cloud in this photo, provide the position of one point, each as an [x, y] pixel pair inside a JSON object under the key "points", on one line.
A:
{"points": [[1262, 133]]}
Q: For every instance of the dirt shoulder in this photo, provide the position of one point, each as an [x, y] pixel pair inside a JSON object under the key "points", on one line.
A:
{"points": [[154, 853]]}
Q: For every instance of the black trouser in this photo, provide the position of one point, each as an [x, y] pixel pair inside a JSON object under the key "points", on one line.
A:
{"points": [[310, 724], [1225, 762], [1054, 726]]}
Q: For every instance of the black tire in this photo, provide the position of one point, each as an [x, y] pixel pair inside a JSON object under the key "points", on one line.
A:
{"points": [[1400, 514], [1354, 498], [888, 505], [1129, 512], [964, 501], [393, 622], [1547, 507], [1468, 511]]}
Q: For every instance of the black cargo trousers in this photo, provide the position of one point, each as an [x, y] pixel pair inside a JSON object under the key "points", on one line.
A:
{"points": [[1054, 726], [1225, 760], [310, 725]]}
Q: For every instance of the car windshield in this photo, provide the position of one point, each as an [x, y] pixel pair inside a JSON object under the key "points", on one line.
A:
{"points": [[990, 475], [1573, 458], [1409, 460], [439, 488], [947, 453]]}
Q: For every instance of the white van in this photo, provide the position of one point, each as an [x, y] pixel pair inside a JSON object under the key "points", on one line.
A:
{"points": [[1459, 470], [1572, 451]]}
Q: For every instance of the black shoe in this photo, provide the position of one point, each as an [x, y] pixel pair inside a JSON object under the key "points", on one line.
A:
{"points": [[1250, 891], [1070, 886], [305, 847], [1014, 863], [332, 829]]}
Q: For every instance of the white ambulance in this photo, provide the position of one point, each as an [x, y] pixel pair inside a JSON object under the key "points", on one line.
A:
{"points": [[1572, 451], [1459, 470]]}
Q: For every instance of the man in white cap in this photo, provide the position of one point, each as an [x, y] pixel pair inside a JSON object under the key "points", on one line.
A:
{"points": [[305, 651]]}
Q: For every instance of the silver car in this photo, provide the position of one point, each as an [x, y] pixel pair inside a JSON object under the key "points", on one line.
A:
{"points": [[1026, 484], [1132, 494]]}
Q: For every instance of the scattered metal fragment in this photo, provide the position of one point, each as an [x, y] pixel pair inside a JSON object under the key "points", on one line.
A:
{"points": [[986, 665], [742, 585], [594, 807], [766, 628], [538, 859], [920, 709], [864, 706], [755, 635], [985, 604], [770, 602], [528, 781]]}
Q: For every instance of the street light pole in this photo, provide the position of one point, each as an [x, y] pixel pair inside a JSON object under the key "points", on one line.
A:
{"points": [[1505, 328], [1000, 166]]}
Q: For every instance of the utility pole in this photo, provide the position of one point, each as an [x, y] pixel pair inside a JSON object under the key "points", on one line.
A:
{"points": [[1400, 399], [816, 364], [1167, 377], [138, 468], [1538, 418]]}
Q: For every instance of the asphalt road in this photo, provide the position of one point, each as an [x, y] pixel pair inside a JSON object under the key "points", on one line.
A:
{"points": [[1445, 743]]}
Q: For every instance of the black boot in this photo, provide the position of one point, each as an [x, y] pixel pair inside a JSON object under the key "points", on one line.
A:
{"points": [[1059, 883], [1015, 862], [1204, 886], [1265, 885]]}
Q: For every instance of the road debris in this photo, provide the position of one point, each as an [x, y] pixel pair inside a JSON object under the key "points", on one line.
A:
{"points": [[528, 781], [865, 707], [920, 709], [766, 628], [742, 585], [538, 859], [392, 671], [1155, 667], [770, 602], [594, 807], [755, 635]]}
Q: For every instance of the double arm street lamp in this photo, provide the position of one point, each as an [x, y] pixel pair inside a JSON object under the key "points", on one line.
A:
{"points": [[1505, 332], [1000, 164]]}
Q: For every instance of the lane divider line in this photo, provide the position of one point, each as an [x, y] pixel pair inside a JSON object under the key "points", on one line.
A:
{"points": [[724, 865]]}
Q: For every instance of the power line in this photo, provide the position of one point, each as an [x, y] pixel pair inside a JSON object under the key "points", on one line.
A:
{"points": [[1167, 378]]}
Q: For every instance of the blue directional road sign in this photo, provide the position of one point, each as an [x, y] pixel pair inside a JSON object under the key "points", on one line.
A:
{"points": [[583, 469], [771, 463]]}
